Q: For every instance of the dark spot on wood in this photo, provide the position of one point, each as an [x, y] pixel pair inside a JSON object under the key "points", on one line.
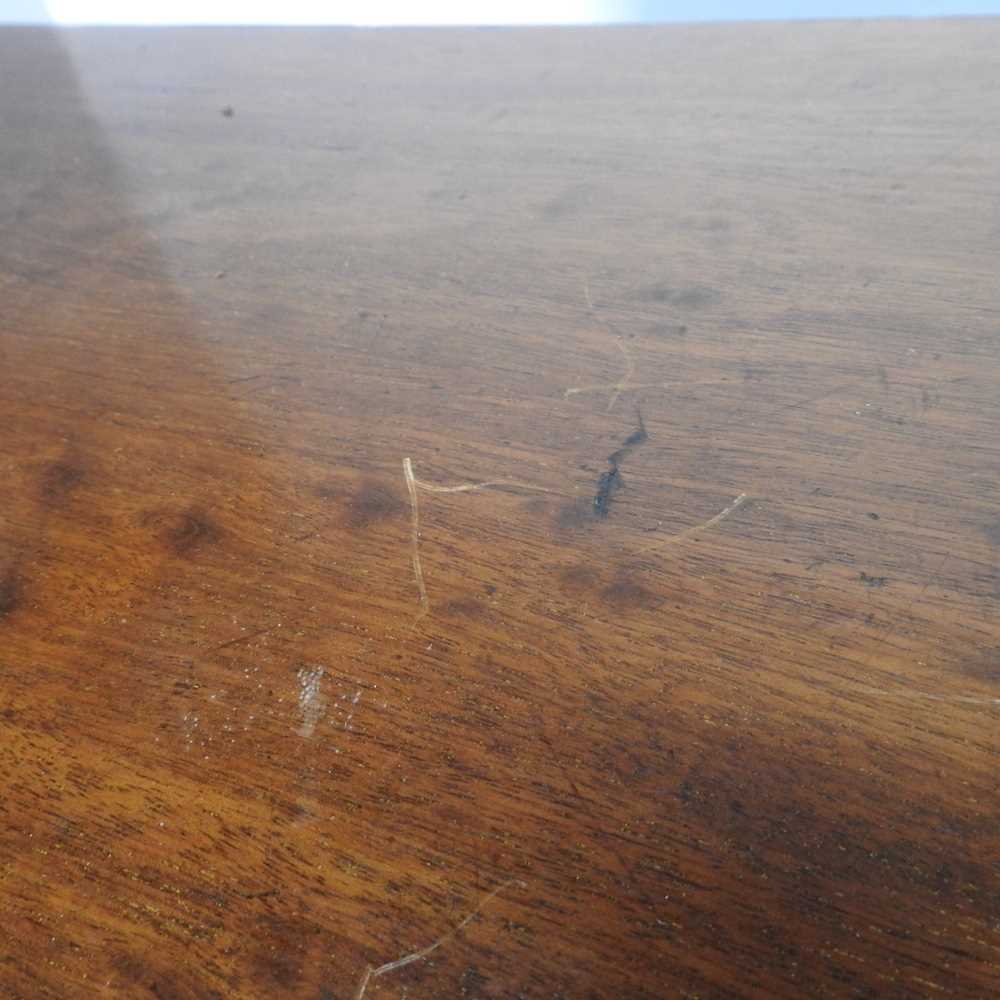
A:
{"points": [[567, 203], [577, 580], [611, 481], [57, 481], [873, 581], [668, 331], [656, 293], [129, 966], [191, 530], [636, 437], [574, 514], [284, 953], [228, 111], [982, 666], [992, 533], [145, 975], [627, 593], [183, 532], [873, 515], [608, 484], [465, 607], [690, 297], [164, 989], [706, 223], [372, 503], [10, 593], [278, 968], [535, 506], [261, 894], [475, 985], [696, 297]]}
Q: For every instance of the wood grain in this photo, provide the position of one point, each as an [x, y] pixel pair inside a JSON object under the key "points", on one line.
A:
{"points": [[709, 711]]}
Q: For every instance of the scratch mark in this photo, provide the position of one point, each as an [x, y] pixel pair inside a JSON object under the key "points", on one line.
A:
{"points": [[625, 383], [412, 486], [469, 487], [311, 701], [688, 532], [350, 713], [373, 973], [263, 894], [963, 699], [242, 638], [617, 388], [418, 573], [622, 384], [815, 398]]}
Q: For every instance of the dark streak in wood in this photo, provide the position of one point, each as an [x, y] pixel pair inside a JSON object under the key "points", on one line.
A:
{"points": [[57, 481], [10, 593], [372, 503], [611, 481]]}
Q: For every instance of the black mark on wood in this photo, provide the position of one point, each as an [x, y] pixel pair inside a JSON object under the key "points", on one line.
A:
{"points": [[10, 593], [611, 480], [626, 593], [57, 481], [373, 502], [183, 532]]}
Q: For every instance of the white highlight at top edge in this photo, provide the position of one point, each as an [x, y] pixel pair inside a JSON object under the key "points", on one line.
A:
{"points": [[364, 13]]}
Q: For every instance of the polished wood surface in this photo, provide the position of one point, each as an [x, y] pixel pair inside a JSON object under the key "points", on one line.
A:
{"points": [[500, 513]]}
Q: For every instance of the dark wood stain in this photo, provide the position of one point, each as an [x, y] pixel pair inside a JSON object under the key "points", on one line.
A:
{"points": [[668, 331], [983, 665], [10, 592], [578, 579], [628, 593], [183, 532], [572, 515], [57, 481], [611, 481], [465, 607], [689, 297], [372, 503], [992, 533]]}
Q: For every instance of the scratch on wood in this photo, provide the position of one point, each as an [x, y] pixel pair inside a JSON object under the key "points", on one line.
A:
{"points": [[636, 386], [412, 486], [625, 383], [962, 699], [311, 700], [373, 973], [418, 573], [688, 532], [469, 487], [626, 378], [242, 638]]}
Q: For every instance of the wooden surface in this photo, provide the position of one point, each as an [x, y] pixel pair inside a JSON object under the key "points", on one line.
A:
{"points": [[698, 696]]}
